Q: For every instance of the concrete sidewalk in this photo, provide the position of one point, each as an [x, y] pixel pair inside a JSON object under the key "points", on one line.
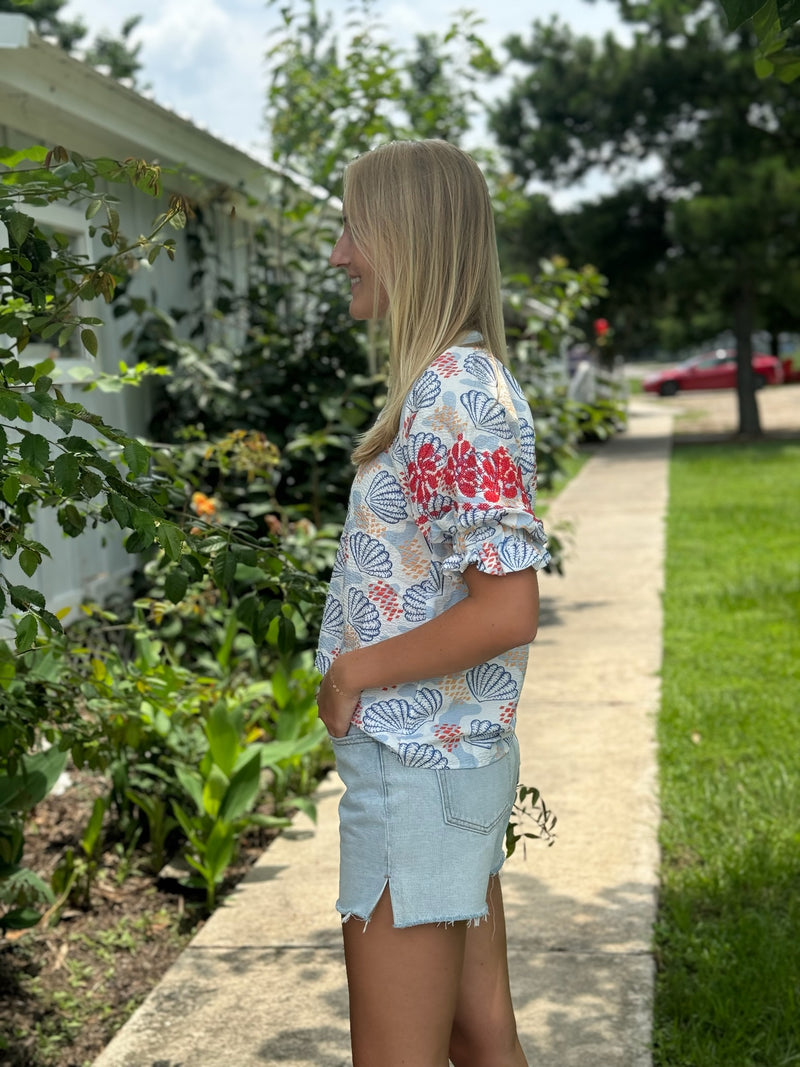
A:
{"points": [[263, 982]]}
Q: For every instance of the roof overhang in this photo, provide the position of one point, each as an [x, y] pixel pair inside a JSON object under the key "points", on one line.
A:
{"points": [[55, 99]]}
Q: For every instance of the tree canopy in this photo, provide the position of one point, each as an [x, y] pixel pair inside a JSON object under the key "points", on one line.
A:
{"points": [[704, 232]]}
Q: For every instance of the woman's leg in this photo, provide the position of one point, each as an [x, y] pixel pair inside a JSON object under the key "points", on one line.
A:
{"points": [[484, 1028], [403, 989]]}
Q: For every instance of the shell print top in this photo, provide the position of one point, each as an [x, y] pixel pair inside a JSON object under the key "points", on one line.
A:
{"points": [[455, 488]]}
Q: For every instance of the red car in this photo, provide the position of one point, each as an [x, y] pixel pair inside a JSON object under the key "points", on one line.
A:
{"points": [[712, 370]]}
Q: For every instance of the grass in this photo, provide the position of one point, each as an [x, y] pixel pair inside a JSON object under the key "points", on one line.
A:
{"points": [[728, 933]]}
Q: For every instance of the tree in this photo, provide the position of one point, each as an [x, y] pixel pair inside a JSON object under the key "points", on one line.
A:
{"points": [[771, 21], [117, 54], [727, 147]]}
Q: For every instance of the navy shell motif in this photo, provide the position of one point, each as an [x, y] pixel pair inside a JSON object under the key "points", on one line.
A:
{"points": [[425, 392], [332, 617], [338, 563], [483, 732], [438, 506], [416, 755], [430, 700], [416, 597], [490, 681], [480, 367], [363, 615], [513, 384], [527, 440], [395, 716], [385, 498], [479, 534], [417, 441], [370, 556], [516, 554], [474, 517], [487, 413]]}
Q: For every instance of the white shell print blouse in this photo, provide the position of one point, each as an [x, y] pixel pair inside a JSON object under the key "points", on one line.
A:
{"points": [[456, 488]]}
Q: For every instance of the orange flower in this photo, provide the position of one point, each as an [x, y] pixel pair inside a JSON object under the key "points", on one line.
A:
{"points": [[203, 505]]}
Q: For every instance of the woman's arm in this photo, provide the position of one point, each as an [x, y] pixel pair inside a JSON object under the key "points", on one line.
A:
{"points": [[500, 612]]}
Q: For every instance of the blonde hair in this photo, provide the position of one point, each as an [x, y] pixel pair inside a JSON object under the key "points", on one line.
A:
{"points": [[420, 214]]}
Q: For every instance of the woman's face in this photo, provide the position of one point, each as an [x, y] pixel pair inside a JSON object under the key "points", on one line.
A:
{"points": [[363, 282]]}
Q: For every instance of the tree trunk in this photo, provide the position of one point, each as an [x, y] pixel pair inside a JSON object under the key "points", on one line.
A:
{"points": [[749, 421]]}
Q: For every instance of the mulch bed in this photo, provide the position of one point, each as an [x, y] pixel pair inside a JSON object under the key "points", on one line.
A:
{"points": [[67, 987]]}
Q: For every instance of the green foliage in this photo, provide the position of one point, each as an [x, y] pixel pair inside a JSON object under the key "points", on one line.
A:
{"points": [[545, 320], [728, 737], [771, 21], [529, 810], [136, 714], [332, 97], [707, 242]]}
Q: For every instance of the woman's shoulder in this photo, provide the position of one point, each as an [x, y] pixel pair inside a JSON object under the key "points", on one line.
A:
{"points": [[462, 367]]}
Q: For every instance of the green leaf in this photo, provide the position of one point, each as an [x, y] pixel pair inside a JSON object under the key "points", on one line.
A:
{"points": [[71, 521], [89, 340], [192, 785], [29, 561], [67, 473], [175, 585], [171, 540], [223, 569], [242, 792], [22, 596], [223, 738], [19, 226], [27, 632], [139, 541], [35, 450], [214, 788], [11, 488], [120, 509], [91, 835], [219, 850], [38, 774], [137, 456], [20, 919]]}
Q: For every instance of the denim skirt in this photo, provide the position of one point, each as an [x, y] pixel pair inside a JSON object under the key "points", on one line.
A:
{"points": [[435, 837]]}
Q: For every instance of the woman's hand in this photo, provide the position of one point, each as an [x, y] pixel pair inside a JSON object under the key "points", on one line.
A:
{"points": [[335, 702]]}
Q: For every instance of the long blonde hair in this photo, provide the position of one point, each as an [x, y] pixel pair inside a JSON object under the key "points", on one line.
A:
{"points": [[420, 214]]}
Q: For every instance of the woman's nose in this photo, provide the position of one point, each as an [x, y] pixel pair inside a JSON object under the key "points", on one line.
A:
{"points": [[339, 257]]}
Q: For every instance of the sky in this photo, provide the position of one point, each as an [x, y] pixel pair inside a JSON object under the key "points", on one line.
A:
{"points": [[205, 58]]}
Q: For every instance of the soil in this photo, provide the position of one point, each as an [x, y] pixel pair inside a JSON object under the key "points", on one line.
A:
{"points": [[68, 986]]}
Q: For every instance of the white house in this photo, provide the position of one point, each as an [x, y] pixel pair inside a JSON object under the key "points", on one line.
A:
{"points": [[49, 98]]}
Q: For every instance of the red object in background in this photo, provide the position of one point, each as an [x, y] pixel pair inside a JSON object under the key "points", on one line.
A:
{"points": [[714, 370], [601, 327]]}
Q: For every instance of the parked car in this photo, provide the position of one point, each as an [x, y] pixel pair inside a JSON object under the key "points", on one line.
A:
{"points": [[713, 370]]}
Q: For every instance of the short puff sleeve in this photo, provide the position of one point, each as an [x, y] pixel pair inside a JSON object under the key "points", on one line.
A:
{"points": [[466, 447]]}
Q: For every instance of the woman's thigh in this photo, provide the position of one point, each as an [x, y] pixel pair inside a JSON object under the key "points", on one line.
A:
{"points": [[484, 1028], [404, 987]]}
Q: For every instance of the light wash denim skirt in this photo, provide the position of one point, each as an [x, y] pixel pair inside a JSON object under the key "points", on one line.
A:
{"points": [[435, 837]]}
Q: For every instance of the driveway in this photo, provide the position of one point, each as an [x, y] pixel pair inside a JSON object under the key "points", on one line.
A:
{"points": [[715, 412]]}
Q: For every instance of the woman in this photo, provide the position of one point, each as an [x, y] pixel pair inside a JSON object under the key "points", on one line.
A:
{"points": [[432, 605]]}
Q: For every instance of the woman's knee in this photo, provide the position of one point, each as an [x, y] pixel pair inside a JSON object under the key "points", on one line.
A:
{"points": [[485, 1042]]}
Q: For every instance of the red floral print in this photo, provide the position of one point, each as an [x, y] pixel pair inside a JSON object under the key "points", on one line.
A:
{"points": [[423, 473], [461, 469], [500, 476]]}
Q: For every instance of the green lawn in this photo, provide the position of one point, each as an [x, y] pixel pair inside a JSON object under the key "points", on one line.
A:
{"points": [[728, 935]]}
